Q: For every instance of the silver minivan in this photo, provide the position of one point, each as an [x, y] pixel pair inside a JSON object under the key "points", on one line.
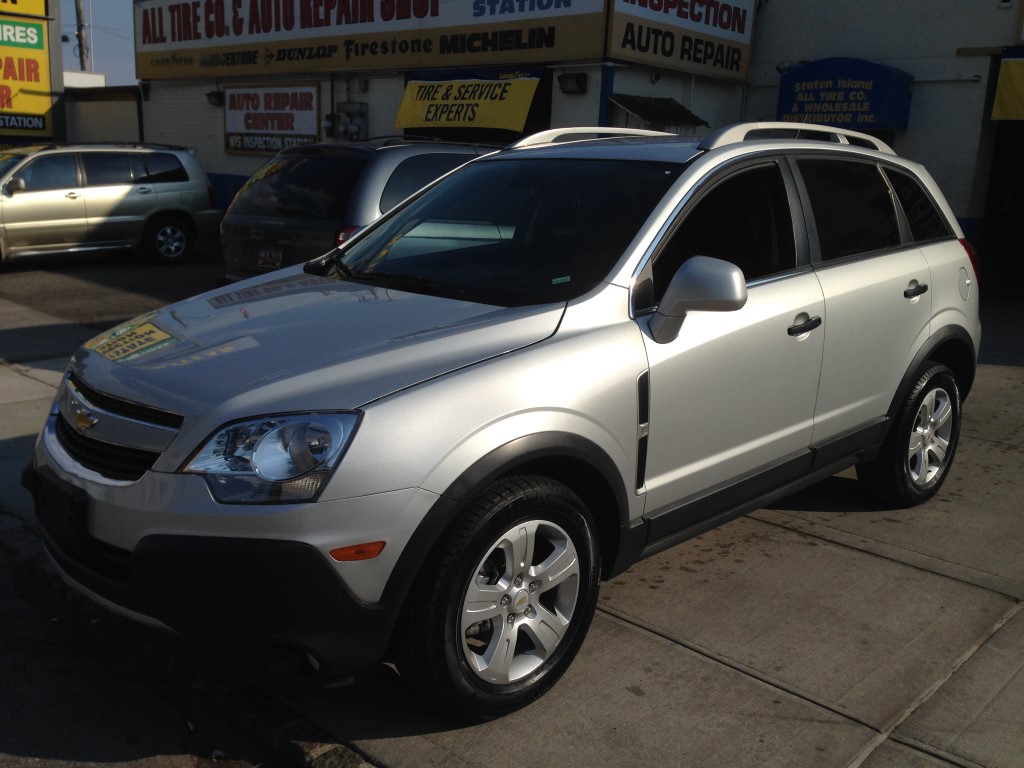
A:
{"points": [[79, 199], [431, 445]]}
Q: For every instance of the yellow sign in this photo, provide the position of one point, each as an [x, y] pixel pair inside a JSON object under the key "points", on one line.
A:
{"points": [[1009, 102], [24, 7], [126, 343], [25, 94], [467, 104]]}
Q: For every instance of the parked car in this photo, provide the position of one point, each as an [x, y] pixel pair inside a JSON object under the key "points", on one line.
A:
{"points": [[311, 198], [88, 198], [431, 445]]}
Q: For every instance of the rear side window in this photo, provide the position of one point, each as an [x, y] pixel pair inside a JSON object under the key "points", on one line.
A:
{"points": [[852, 206], [416, 172], [926, 223], [305, 187], [106, 168], [159, 167]]}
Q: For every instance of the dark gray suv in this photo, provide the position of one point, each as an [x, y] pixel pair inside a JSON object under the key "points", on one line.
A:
{"points": [[313, 197]]}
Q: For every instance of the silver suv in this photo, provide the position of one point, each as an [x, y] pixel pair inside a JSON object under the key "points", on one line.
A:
{"points": [[87, 198], [431, 445]]}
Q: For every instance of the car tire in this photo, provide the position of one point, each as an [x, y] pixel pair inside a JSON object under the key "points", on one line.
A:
{"points": [[504, 603], [917, 454], [168, 239]]}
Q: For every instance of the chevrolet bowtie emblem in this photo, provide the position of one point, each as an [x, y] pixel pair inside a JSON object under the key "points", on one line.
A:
{"points": [[84, 420]]}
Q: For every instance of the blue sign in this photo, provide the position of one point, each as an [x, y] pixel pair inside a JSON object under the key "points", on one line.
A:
{"points": [[848, 93]]}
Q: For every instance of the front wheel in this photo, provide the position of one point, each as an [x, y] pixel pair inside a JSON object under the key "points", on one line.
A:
{"points": [[917, 455], [502, 609]]}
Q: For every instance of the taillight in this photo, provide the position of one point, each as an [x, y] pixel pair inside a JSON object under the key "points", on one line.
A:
{"points": [[344, 234], [972, 254]]}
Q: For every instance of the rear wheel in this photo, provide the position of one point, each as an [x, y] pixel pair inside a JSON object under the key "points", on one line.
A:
{"points": [[500, 612], [168, 239], [920, 447]]}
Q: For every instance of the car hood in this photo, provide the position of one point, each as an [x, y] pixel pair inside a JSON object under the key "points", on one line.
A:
{"points": [[292, 341]]}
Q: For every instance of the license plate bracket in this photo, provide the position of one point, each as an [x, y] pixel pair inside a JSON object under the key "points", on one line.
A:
{"points": [[62, 510], [269, 256]]}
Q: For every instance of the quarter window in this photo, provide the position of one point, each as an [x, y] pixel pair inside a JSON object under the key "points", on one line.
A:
{"points": [[926, 223], [161, 167], [852, 205], [417, 172]]}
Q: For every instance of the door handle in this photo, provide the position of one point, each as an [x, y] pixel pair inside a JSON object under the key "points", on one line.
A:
{"points": [[917, 290], [802, 328], [143, 190], [71, 195]]}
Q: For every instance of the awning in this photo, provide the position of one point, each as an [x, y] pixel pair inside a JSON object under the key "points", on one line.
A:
{"points": [[1009, 102], [477, 103], [652, 109]]}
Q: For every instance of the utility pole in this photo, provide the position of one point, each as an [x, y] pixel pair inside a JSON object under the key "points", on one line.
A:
{"points": [[83, 46]]}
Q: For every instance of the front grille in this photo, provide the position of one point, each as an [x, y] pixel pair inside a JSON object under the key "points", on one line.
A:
{"points": [[114, 461], [126, 407]]}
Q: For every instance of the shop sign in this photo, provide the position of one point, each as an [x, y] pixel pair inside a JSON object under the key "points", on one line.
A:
{"points": [[1009, 100], [25, 94], [704, 37], [267, 120], [24, 7], [219, 38], [479, 103], [847, 93]]}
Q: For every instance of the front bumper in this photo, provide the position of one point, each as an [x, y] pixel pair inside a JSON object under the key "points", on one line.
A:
{"points": [[274, 602]]}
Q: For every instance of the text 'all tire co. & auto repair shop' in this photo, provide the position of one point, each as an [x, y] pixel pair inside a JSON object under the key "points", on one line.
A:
{"points": [[241, 79]]}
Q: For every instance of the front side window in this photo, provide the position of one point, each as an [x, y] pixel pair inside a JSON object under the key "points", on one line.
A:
{"points": [[513, 231], [852, 206], [50, 172], [744, 219]]}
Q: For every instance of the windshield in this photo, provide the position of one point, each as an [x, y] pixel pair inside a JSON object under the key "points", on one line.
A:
{"points": [[309, 187], [512, 232]]}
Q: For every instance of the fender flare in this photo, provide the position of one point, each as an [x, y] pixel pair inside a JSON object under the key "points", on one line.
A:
{"points": [[523, 452]]}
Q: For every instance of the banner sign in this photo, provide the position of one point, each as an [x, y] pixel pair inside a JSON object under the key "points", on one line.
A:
{"points": [[479, 103], [704, 37], [215, 38], [25, 92], [848, 93], [24, 7], [1009, 101], [266, 120]]}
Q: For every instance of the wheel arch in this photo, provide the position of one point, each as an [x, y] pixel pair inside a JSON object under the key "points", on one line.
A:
{"points": [[576, 462], [953, 347]]}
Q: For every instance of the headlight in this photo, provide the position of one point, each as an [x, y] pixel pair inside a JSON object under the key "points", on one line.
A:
{"points": [[275, 459]]}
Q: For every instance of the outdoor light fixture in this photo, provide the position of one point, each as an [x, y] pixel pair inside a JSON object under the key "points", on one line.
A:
{"points": [[572, 82], [216, 98]]}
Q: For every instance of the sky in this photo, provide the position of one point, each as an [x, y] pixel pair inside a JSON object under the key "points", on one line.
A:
{"points": [[110, 30]]}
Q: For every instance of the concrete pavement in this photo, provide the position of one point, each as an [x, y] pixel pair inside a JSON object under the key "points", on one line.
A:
{"points": [[826, 631]]}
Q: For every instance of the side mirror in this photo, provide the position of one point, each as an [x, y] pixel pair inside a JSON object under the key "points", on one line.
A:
{"points": [[701, 284], [17, 184]]}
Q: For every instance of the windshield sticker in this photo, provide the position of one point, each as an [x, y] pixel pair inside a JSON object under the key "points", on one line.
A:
{"points": [[560, 280]]}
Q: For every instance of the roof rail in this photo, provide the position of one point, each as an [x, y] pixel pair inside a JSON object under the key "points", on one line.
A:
{"points": [[780, 130], [551, 136]]}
